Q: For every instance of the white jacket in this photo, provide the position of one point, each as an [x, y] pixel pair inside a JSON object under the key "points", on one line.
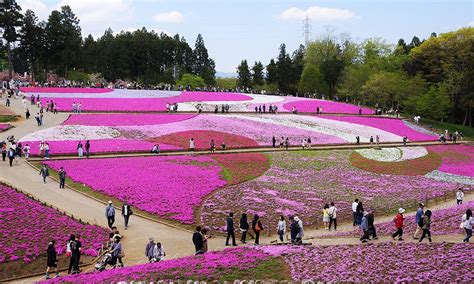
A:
{"points": [[467, 223]]}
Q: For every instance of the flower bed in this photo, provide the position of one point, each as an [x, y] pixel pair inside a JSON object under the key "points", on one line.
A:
{"points": [[169, 187], [411, 167], [230, 264], [457, 159], [4, 127], [300, 183], [102, 146], [64, 90], [27, 227], [77, 94], [124, 119], [379, 263], [242, 167], [392, 125], [310, 105]]}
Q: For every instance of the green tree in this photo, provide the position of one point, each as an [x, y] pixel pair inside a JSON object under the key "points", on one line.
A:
{"points": [[283, 67], [32, 41], [243, 75], [271, 75], [192, 81], [203, 65], [226, 83], [434, 103], [10, 21], [257, 74], [312, 81]]}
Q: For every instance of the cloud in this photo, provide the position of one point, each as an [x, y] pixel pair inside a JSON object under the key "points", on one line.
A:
{"points": [[174, 17], [41, 9], [317, 13]]}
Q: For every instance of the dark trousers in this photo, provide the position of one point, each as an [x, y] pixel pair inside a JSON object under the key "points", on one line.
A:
{"points": [[257, 237], [125, 219], [74, 263], [468, 235], [331, 221], [365, 236], [71, 264], [399, 233], [10, 159], [62, 182], [280, 236], [354, 218], [458, 201], [4, 156], [244, 237], [426, 232], [372, 231], [110, 221], [230, 234], [44, 179], [87, 153]]}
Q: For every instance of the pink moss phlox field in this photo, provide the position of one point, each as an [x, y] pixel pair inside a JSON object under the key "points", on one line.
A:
{"points": [[142, 104], [300, 183], [4, 127], [310, 105], [457, 159], [26, 227], [169, 187], [392, 125], [382, 263], [64, 90], [209, 266], [125, 119]]}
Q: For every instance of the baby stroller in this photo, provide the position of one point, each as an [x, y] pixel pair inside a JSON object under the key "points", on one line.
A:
{"points": [[101, 264]]}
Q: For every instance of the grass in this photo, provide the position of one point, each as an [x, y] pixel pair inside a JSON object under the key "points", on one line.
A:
{"points": [[7, 118], [439, 127]]}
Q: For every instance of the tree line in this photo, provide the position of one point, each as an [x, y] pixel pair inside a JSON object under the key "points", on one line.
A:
{"points": [[433, 78], [57, 46]]}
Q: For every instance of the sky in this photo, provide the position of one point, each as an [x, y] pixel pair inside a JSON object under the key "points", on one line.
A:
{"points": [[253, 30]]}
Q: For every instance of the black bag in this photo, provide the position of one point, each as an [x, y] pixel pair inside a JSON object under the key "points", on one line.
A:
{"points": [[421, 222]]}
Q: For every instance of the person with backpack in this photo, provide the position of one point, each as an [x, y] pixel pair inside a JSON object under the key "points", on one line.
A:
{"points": [[52, 259], [466, 222], [332, 216], [425, 223], [230, 229], [419, 215], [398, 220], [257, 228], [158, 253], [244, 227], [110, 214]]}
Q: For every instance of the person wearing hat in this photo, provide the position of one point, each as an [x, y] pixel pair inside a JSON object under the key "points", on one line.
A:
{"points": [[149, 249], [419, 214], [364, 226], [110, 214], [399, 225]]}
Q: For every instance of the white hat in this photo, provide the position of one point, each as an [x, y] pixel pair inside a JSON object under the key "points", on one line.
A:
{"points": [[110, 201], [401, 210]]}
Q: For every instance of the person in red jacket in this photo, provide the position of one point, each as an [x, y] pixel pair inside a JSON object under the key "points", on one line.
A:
{"points": [[399, 225]]}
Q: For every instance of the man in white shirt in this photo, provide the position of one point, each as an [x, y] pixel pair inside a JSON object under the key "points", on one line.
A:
{"points": [[191, 144], [459, 196], [332, 216], [354, 212]]}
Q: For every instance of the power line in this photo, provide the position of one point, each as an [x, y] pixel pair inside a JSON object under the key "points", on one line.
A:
{"points": [[307, 29]]}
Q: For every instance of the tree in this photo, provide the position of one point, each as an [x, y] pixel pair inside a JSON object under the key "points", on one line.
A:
{"points": [[271, 76], [203, 65], [243, 75], [283, 67], [226, 83], [434, 103], [192, 81], [10, 21], [257, 74], [312, 80], [32, 41]]}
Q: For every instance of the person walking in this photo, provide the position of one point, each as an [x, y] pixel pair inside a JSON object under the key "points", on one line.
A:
{"points": [[244, 227], [198, 241], [44, 172], [273, 142], [294, 229], [126, 213], [26, 151], [11, 156], [398, 220], [300, 235], [80, 150], [371, 223], [88, 147], [459, 196], [110, 214], [332, 216], [4, 150], [76, 250], [359, 213], [257, 228], [425, 223], [364, 226], [371, 140], [117, 252], [354, 212], [52, 259], [326, 216], [149, 249], [281, 228], [419, 215], [230, 229], [62, 177], [467, 222]]}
